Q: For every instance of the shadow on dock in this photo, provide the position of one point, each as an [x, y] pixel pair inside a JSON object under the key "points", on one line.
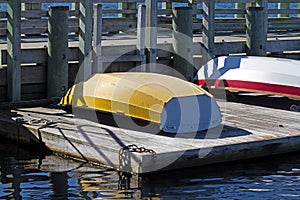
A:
{"points": [[219, 132], [116, 120], [264, 100], [130, 123]]}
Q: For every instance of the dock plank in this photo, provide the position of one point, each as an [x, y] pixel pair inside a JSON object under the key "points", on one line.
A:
{"points": [[247, 131]]}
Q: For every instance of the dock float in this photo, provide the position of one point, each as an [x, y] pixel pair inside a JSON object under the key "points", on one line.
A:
{"points": [[247, 131]]}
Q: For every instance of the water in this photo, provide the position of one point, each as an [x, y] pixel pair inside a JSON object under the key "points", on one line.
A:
{"points": [[25, 175], [113, 6]]}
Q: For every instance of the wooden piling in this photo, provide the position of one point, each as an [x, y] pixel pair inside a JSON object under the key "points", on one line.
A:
{"points": [[14, 50], [256, 31], [75, 6], [33, 6], [129, 7], [183, 41], [282, 6], [193, 4], [85, 39], [97, 37], [240, 6], [141, 35], [166, 6], [57, 70], [151, 33], [120, 7], [208, 31]]}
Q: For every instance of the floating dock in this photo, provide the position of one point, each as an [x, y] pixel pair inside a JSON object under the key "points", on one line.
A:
{"points": [[247, 131], [35, 64]]}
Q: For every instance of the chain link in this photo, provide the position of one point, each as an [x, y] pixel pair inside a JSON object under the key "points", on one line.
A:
{"points": [[36, 122], [135, 148]]}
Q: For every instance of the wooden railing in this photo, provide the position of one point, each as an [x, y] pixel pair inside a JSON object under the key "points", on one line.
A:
{"points": [[210, 17]]}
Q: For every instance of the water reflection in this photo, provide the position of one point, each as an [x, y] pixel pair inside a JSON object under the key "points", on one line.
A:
{"points": [[25, 175], [31, 176], [276, 178]]}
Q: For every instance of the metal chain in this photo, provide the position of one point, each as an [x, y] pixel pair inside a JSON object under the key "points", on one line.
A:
{"points": [[36, 122], [135, 148]]}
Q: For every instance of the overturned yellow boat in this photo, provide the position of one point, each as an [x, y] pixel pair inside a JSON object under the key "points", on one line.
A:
{"points": [[176, 105]]}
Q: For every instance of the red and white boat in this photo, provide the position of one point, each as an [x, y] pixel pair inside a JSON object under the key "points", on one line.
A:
{"points": [[252, 74]]}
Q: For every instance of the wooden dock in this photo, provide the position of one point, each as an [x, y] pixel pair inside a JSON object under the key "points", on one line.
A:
{"points": [[33, 62], [247, 131]]}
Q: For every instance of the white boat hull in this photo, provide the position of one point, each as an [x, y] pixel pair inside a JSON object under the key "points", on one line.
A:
{"points": [[255, 74]]}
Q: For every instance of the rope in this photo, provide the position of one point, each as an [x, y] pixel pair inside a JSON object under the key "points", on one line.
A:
{"points": [[295, 108]]}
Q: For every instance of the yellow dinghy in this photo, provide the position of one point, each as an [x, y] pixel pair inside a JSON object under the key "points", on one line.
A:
{"points": [[176, 105]]}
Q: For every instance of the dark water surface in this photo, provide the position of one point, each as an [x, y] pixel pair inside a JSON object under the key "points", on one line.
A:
{"points": [[27, 175]]}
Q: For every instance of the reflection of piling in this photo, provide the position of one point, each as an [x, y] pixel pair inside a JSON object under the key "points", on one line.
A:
{"points": [[60, 186], [256, 31], [183, 41], [57, 70]]}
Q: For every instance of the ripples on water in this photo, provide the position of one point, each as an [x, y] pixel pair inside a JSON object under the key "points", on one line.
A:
{"points": [[52, 177]]}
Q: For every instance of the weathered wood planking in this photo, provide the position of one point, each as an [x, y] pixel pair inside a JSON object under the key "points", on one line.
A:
{"points": [[36, 52], [248, 131]]}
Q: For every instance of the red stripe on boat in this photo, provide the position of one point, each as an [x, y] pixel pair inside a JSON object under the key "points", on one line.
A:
{"points": [[254, 86]]}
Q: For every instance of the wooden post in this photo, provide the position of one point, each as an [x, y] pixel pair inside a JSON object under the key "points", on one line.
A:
{"points": [[14, 50], [264, 5], [151, 33], [33, 6], [75, 6], [97, 38], [208, 31], [85, 38], [120, 7], [240, 6], [282, 6], [57, 70], [261, 3], [129, 7], [183, 41], [166, 6], [193, 5], [141, 35], [251, 4], [256, 31]]}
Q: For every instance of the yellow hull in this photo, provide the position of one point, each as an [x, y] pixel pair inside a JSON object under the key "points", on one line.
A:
{"points": [[141, 95]]}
